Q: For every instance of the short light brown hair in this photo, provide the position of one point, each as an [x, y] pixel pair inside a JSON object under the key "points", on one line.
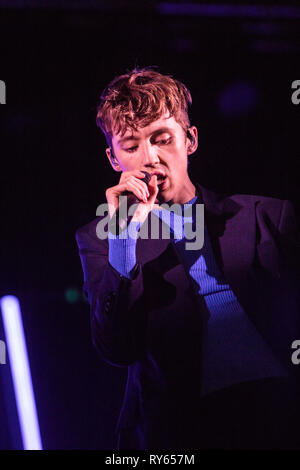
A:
{"points": [[140, 97]]}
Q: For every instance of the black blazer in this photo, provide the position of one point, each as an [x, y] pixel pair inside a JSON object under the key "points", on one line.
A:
{"points": [[152, 323]]}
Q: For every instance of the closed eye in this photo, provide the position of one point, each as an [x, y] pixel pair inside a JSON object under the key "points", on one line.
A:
{"points": [[164, 141], [158, 142], [131, 149]]}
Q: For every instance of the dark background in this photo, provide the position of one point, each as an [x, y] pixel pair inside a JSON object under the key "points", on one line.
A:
{"points": [[55, 60]]}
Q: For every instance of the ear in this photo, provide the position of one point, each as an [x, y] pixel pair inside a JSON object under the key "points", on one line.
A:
{"points": [[113, 161], [192, 141]]}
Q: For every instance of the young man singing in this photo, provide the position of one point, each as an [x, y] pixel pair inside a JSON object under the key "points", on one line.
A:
{"points": [[206, 332]]}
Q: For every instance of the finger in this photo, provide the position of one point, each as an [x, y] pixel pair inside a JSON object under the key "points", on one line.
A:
{"points": [[153, 188], [143, 192], [131, 184], [140, 193], [142, 185], [128, 174], [113, 194], [152, 185]]}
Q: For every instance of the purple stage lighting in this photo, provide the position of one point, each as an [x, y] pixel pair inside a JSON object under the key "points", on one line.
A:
{"points": [[20, 370]]}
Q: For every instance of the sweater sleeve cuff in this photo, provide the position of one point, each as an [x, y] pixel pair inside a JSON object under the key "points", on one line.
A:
{"points": [[122, 249]]}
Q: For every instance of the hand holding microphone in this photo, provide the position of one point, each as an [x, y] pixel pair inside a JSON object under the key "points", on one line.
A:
{"points": [[140, 188]]}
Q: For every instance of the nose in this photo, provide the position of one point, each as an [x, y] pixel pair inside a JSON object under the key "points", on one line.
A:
{"points": [[149, 155]]}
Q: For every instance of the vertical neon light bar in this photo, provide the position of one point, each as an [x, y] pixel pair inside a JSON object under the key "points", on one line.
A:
{"points": [[17, 352]]}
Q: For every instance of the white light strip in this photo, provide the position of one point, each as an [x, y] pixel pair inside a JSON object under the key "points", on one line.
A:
{"points": [[17, 353]]}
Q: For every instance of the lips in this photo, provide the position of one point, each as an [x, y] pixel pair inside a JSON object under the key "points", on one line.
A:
{"points": [[163, 183], [161, 180]]}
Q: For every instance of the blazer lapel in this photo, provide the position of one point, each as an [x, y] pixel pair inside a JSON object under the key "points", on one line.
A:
{"points": [[231, 226]]}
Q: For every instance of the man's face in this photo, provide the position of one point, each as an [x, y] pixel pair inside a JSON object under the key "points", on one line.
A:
{"points": [[161, 147]]}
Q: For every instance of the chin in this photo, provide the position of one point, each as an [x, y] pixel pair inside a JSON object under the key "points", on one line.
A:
{"points": [[161, 198]]}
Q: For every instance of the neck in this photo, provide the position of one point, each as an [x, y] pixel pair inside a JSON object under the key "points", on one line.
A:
{"points": [[186, 194]]}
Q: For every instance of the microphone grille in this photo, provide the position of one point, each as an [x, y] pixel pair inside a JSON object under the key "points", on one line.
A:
{"points": [[147, 177]]}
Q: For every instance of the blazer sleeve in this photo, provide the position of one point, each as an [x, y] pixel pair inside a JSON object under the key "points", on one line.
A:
{"points": [[117, 305]]}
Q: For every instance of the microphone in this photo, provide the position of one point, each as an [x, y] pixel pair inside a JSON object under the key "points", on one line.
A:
{"points": [[120, 219]]}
